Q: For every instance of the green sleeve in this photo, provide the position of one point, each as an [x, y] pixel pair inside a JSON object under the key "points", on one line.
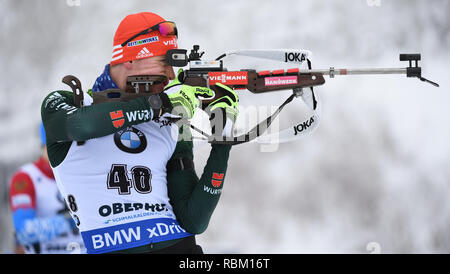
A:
{"points": [[64, 122], [194, 199]]}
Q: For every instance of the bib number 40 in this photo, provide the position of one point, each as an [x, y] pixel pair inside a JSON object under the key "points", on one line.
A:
{"points": [[140, 180]]}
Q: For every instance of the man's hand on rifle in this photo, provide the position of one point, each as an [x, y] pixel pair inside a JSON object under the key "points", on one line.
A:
{"points": [[223, 112], [184, 98]]}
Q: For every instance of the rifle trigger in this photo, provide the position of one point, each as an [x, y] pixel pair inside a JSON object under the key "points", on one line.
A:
{"points": [[298, 92]]}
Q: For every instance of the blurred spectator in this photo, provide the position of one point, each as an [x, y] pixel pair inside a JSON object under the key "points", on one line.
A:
{"points": [[41, 219]]}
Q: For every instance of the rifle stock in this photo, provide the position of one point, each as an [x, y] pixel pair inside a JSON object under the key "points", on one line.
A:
{"points": [[260, 83], [255, 83]]}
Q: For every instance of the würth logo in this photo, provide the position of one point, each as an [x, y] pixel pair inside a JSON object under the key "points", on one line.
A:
{"points": [[217, 179], [117, 118]]}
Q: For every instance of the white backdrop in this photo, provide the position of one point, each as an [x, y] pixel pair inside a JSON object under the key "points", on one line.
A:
{"points": [[376, 170]]}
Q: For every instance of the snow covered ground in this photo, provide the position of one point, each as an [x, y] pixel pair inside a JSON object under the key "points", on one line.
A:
{"points": [[375, 171]]}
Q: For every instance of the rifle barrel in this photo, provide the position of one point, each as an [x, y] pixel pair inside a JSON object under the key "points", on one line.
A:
{"points": [[361, 71]]}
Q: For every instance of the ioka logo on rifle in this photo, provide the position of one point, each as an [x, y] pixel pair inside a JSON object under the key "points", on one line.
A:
{"points": [[117, 118], [306, 124], [228, 78], [294, 57]]}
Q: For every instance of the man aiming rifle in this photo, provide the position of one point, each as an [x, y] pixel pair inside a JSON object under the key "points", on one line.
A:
{"points": [[127, 179]]}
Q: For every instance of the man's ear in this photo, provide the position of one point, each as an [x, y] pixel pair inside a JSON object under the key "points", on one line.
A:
{"points": [[128, 65]]}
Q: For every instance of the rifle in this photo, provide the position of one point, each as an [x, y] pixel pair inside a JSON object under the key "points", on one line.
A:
{"points": [[207, 73], [300, 81]]}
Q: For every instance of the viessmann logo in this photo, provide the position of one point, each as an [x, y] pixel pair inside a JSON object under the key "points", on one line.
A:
{"points": [[172, 42], [228, 78]]}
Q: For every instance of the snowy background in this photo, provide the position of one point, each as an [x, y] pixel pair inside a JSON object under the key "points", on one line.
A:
{"points": [[376, 171]]}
